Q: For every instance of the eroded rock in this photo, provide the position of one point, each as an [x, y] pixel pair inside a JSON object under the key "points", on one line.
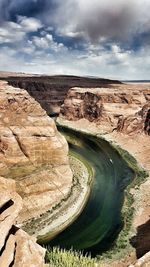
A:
{"points": [[17, 248]]}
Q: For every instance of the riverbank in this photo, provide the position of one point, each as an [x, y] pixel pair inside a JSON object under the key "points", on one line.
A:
{"points": [[137, 147], [65, 212]]}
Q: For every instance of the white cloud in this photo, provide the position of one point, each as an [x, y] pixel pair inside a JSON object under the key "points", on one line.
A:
{"points": [[47, 42], [11, 32], [117, 63], [29, 24]]}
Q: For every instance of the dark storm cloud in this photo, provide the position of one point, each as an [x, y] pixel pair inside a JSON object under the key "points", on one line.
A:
{"points": [[9, 9], [116, 20]]}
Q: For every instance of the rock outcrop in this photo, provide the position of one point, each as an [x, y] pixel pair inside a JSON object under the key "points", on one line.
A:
{"points": [[32, 152], [137, 123], [17, 248], [123, 108]]}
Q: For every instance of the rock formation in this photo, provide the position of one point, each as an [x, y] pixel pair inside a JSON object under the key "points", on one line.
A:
{"points": [[32, 152], [117, 108], [137, 123], [50, 91], [17, 248]]}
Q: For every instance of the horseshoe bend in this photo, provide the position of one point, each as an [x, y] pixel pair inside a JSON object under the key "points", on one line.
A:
{"points": [[74, 167]]}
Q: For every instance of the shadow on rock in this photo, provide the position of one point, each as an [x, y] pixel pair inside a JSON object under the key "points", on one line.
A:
{"points": [[141, 242]]}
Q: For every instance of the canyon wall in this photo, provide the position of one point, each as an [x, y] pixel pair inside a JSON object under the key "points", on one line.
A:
{"points": [[50, 91], [32, 152], [124, 108]]}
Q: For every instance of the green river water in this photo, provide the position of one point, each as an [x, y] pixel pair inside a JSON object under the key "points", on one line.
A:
{"points": [[98, 225]]}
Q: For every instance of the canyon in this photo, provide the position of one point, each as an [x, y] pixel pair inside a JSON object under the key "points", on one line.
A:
{"points": [[35, 154], [50, 91]]}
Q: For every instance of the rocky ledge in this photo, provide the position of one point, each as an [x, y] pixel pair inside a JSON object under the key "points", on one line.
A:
{"points": [[32, 152], [17, 248]]}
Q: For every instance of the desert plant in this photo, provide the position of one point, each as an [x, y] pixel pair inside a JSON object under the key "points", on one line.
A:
{"points": [[57, 257]]}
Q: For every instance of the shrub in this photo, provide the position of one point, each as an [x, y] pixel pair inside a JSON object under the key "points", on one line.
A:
{"points": [[57, 257]]}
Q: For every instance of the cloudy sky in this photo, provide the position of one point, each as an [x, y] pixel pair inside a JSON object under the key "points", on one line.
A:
{"points": [[108, 38]]}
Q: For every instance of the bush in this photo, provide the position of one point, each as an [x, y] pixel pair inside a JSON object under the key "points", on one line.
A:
{"points": [[57, 257]]}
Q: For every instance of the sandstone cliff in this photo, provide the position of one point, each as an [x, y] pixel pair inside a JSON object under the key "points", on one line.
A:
{"points": [[136, 123], [32, 152], [17, 248], [123, 108]]}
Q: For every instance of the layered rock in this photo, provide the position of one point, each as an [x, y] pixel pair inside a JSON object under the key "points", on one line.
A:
{"points": [[32, 152], [17, 248], [119, 108]]}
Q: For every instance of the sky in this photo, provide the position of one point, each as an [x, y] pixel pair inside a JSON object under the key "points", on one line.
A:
{"points": [[104, 38]]}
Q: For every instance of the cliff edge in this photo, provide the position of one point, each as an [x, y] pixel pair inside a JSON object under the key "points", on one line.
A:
{"points": [[32, 152]]}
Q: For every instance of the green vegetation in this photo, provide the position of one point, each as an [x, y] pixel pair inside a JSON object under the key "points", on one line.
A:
{"points": [[61, 258], [140, 173]]}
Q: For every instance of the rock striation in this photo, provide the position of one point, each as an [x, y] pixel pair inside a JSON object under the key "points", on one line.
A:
{"points": [[124, 108], [17, 248], [32, 152]]}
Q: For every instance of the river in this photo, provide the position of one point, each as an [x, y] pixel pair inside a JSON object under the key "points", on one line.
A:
{"points": [[100, 222]]}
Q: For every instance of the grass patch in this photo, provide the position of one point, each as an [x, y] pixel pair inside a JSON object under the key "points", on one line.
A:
{"points": [[57, 257]]}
